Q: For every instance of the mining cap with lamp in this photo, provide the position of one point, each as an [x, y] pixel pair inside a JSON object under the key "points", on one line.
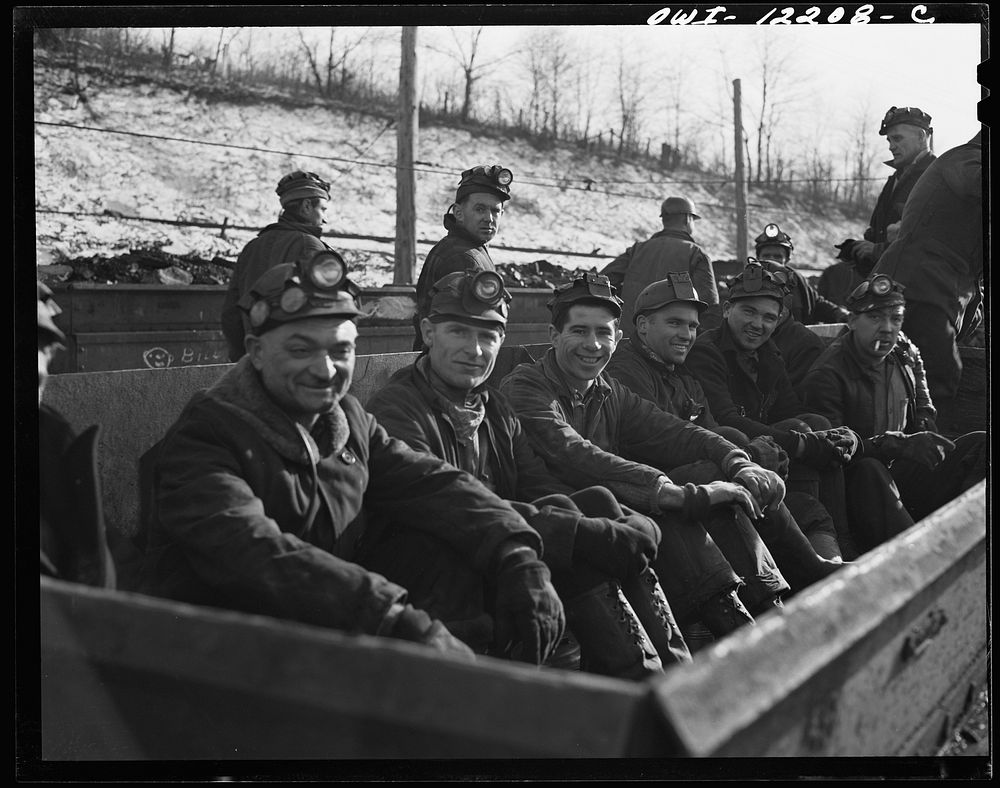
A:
{"points": [[876, 292], [588, 287], [677, 286], [479, 296], [911, 116], [773, 236], [492, 179], [294, 291], [301, 184], [47, 310], [673, 205], [756, 280]]}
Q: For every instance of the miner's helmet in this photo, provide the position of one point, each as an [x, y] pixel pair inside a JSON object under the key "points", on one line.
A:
{"points": [[47, 310], [876, 292], [675, 205], [470, 296], [676, 286], [313, 287], [773, 236], [911, 116], [756, 280], [586, 288], [491, 179], [300, 184]]}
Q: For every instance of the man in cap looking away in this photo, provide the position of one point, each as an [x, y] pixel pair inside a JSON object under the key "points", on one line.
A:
{"points": [[910, 135], [714, 568], [276, 493], [304, 197], [871, 379], [671, 249], [598, 551], [472, 221], [651, 364]]}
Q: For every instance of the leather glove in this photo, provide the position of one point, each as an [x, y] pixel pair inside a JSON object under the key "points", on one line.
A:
{"points": [[816, 450], [615, 548], [766, 487], [862, 251], [416, 626], [926, 448], [765, 451], [846, 441], [529, 616]]}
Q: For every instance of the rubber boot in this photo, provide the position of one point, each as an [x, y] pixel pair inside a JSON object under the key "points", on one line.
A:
{"points": [[612, 641], [724, 613], [653, 611]]}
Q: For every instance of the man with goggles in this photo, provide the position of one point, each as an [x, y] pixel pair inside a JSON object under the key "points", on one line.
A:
{"points": [[304, 198], [673, 248], [276, 493], [938, 256], [715, 571], [598, 552], [472, 221], [910, 135], [749, 389], [871, 379], [651, 364]]}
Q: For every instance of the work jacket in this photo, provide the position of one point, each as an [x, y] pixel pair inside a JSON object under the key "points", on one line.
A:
{"points": [[889, 206], [736, 399], [627, 443], [651, 260], [244, 509], [284, 241], [841, 386]]}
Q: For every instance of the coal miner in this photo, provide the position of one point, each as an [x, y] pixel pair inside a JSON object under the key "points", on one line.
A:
{"points": [[472, 221]]}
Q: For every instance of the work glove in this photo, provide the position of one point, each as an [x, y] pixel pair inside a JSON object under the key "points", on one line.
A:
{"points": [[845, 440], [418, 627], [816, 450], [862, 251], [765, 451], [700, 499], [529, 616], [766, 487], [926, 448], [615, 548]]}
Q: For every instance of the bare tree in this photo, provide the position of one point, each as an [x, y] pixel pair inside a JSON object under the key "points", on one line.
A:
{"points": [[167, 50], [465, 54], [631, 102]]}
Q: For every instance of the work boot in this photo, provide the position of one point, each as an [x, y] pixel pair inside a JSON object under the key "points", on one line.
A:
{"points": [[612, 641], [697, 636], [653, 611], [724, 613]]}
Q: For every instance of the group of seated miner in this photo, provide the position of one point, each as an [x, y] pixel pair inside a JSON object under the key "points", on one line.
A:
{"points": [[614, 507]]}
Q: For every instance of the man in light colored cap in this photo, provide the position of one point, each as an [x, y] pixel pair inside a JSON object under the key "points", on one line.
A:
{"points": [[590, 429], [651, 364], [304, 198], [871, 379], [276, 493], [472, 221], [671, 249], [599, 552], [910, 136]]}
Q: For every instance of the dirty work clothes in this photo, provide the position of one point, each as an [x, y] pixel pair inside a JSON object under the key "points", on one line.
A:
{"points": [[284, 241], [889, 206], [614, 438], [651, 260], [838, 281], [458, 251], [245, 510], [799, 346], [938, 257]]}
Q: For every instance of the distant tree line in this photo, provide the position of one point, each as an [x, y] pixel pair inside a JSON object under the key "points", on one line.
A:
{"points": [[545, 90]]}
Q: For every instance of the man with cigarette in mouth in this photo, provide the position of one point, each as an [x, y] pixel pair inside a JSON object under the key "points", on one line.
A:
{"points": [[871, 379]]}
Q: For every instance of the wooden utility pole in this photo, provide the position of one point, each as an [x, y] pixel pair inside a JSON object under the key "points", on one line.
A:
{"points": [[405, 265], [741, 180]]}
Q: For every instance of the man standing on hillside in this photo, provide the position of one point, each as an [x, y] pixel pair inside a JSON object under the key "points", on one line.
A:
{"points": [[472, 221], [909, 134], [671, 249], [295, 236]]}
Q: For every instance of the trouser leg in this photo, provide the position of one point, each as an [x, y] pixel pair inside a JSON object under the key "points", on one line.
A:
{"points": [[933, 332], [794, 553], [925, 490], [874, 509], [650, 604]]}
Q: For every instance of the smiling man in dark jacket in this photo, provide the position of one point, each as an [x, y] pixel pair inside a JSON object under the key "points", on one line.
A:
{"points": [[276, 493]]}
